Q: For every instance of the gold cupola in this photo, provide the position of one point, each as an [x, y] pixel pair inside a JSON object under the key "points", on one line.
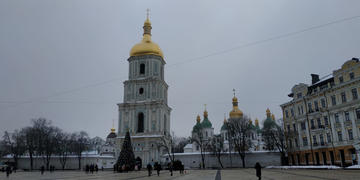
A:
{"points": [[235, 112], [198, 119], [273, 117], [268, 113], [146, 46], [256, 122]]}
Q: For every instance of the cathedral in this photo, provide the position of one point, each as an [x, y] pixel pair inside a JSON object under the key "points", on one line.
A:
{"points": [[145, 112]]}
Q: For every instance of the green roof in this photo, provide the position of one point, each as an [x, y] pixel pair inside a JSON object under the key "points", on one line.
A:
{"points": [[224, 127], [206, 123], [197, 127]]}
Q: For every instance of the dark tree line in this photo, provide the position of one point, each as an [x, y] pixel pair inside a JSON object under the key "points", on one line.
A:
{"points": [[44, 140]]}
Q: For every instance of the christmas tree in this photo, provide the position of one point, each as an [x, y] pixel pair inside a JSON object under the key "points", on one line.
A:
{"points": [[127, 158]]}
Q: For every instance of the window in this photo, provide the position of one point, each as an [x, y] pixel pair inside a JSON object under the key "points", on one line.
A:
{"points": [[314, 140], [305, 142], [296, 142], [140, 124], [347, 116], [288, 127], [354, 94], [337, 118], [326, 121], [322, 139], [343, 97], [286, 113], [323, 103], [310, 108], [141, 91], [292, 112], [312, 124], [357, 113], [350, 134], [294, 126], [142, 68], [352, 76], [299, 112], [328, 136], [303, 127], [290, 143], [319, 123], [299, 95], [339, 136], [341, 79], [302, 110], [333, 100], [316, 105]]}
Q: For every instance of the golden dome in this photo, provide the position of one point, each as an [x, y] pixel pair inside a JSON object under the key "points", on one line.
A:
{"points": [[198, 119], [112, 129], [268, 114], [205, 113], [235, 112], [273, 117], [256, 122], [250, 121], [146, 46]]}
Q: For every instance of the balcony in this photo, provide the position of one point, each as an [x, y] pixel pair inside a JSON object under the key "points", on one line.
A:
{"points": [[315, 144], [322, 143]]}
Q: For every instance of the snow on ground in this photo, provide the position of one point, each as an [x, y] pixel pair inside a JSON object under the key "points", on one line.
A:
{"points": [[303, 167], [354, 167]]}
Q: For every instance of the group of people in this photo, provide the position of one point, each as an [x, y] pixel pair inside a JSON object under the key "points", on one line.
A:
{"points": [[8, 170], [157, 167], [91, 168]]}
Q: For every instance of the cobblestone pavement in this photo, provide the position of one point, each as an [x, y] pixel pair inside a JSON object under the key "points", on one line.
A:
{"points": [[267, 174]]}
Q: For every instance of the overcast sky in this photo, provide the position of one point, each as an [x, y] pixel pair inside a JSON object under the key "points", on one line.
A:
{"points": [[66, 60]]}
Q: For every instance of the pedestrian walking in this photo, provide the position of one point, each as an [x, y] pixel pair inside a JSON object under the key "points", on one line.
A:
{"points": [[149, 168], [258, 170], [157, 167], [42, 169], [8, 171]]}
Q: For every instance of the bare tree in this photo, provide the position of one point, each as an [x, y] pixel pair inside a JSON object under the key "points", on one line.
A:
{"points": [[240, 131], [275, 138], [63, 149], [14, 144], [167, 142], [30, 137], [202, 142], [180, 143], [80, 144], [216, 146]]}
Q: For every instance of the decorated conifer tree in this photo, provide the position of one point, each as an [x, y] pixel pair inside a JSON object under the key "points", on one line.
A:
{"points": [[126, 158]]}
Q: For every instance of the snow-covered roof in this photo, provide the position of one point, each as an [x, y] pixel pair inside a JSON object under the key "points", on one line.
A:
{"points": [[188, 146], [143, 136]]}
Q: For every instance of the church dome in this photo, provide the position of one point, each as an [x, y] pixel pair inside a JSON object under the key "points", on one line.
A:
{"points": [[112, 134], [146, 46], [235, 112], [197, 125], [206, 123], [224, 126]]}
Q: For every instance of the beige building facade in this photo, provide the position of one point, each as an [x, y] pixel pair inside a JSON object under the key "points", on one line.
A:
{"points": [[322, 120]]}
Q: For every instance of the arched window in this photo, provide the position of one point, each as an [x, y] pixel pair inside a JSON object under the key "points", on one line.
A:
{"points": [[141, 90], [142, 68], [140, 124]]}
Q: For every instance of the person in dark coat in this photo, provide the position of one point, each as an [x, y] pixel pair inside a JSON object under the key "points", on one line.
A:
{"points": [[42, 170], [258, 170], [8, 171], [149, 168], [157, 167]]}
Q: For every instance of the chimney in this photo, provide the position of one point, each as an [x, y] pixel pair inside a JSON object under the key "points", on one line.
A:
{"points": [[314, 78]]}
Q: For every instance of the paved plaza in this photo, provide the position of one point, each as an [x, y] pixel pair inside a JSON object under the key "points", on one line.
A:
{"points": [[268, 174]]}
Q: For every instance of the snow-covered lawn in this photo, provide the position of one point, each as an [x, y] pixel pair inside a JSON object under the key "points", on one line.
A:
{"points": [[354, 167], [303, 167]]}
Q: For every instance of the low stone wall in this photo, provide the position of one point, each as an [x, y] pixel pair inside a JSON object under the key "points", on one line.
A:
{"points": [[71, 163], [193, 160]]}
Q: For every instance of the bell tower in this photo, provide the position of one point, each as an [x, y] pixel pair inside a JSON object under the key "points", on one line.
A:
{"points": [[144, 111]]}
